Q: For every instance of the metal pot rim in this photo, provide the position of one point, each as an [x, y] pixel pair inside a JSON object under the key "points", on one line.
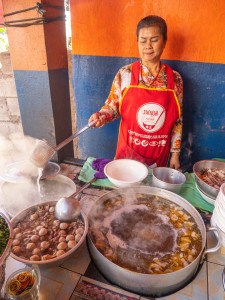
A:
{"points": [[154, 171], [17, 217], [204, 164], [165, 194]]}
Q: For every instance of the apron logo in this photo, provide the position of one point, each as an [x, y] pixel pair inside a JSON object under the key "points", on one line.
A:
{"points": [[151, 117]]}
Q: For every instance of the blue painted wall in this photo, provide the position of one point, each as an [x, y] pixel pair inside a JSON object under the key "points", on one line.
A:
{"points": [[35, 104], [203, 110]]}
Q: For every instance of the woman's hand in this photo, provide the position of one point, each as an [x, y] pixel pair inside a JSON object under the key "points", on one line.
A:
{"points": [[174, 160], [101, 118]]}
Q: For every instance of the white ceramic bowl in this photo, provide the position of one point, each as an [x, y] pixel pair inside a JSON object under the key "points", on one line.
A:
{"points": [[125, 172], [219, 216], [168, 178], [221, 196]]}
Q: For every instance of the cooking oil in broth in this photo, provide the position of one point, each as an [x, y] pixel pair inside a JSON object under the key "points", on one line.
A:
{"points": [[153, 235]]}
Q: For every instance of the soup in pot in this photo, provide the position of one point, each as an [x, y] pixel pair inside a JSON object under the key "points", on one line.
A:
{"points": [[149, 235]]}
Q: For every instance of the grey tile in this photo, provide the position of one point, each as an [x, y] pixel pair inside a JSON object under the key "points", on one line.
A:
{"points": [[215, 257], [216, 291], [92, 272], [196, 290], [57, 284], [79, 261]]}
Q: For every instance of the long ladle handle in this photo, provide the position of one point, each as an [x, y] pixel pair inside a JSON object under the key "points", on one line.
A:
{"points": [[83, 187], [73, 136]]}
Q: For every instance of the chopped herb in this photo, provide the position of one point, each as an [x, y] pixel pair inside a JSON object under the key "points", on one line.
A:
{"points": [[4, 235]]}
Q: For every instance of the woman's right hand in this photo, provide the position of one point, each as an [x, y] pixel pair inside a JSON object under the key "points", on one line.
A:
{"points": [[100, 119]]}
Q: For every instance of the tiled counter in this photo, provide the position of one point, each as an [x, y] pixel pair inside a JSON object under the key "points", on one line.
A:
{"points": [[78, 279]]}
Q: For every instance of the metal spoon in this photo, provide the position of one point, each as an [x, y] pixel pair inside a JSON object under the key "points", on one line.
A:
{"points": [[44, 151], [68, 208]]}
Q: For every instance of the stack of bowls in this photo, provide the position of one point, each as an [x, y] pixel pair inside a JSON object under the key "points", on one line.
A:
{"points": [[218, 216]]}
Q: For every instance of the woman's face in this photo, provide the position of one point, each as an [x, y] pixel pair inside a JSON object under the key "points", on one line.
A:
{"points": [[150, 44]]}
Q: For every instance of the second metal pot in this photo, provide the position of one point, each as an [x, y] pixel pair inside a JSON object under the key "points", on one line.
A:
{"points": [[202, 165]]}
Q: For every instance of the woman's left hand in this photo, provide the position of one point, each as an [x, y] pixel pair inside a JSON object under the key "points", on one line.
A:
{"points": [[174, 160]]}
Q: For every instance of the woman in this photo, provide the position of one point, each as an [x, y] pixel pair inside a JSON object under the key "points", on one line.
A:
{"points": [[148, 96]]}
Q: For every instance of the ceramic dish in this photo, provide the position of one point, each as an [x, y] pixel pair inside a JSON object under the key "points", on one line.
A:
{"points": [[125, 172], [205, 197]]}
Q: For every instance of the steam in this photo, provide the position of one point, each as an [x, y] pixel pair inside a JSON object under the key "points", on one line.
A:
{"points": [[14, 148], [133, 228], [15, 196], [20, 187]]}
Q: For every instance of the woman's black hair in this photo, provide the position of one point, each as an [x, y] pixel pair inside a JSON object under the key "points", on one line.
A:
{"points": [[153, 21]]}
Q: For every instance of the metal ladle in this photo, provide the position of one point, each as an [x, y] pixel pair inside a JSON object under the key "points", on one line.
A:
{"points": [[68, 208], [44, 151]]}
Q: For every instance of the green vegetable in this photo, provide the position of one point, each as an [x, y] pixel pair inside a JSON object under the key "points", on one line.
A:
{"points": [[4, 234]]}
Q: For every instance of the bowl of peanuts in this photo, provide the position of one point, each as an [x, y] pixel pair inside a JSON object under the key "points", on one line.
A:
{"points": [[40, 238]]}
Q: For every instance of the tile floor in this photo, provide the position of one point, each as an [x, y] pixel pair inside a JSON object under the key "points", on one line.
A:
{"points": [[77, 278]]}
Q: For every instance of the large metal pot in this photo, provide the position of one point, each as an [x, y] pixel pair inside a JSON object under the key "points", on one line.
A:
{"points": [[202, 165], [150, 284]]}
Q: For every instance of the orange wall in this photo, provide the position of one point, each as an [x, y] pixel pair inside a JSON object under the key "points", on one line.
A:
{"points": [[196, 28], [24, 42], [1, 14], [28, 45]]}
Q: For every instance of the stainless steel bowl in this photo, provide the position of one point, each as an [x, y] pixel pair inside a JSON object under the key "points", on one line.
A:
{"points": [[168, 178], [54, 261], [200, 166]]}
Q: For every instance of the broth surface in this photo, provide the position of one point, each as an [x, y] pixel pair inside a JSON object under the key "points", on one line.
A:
{"points": [[148, 235]]}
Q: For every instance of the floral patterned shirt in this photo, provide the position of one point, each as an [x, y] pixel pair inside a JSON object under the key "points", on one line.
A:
{"points": [[122, 81]]}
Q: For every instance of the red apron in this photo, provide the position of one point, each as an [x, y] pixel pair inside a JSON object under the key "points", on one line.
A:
{"points": [[148, 116]]}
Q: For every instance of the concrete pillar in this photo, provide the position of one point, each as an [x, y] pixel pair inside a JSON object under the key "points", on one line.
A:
{"points": [[40, 65]]}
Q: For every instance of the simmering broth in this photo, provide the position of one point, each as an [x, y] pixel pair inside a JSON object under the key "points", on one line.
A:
{"points": [[149, 235]]}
